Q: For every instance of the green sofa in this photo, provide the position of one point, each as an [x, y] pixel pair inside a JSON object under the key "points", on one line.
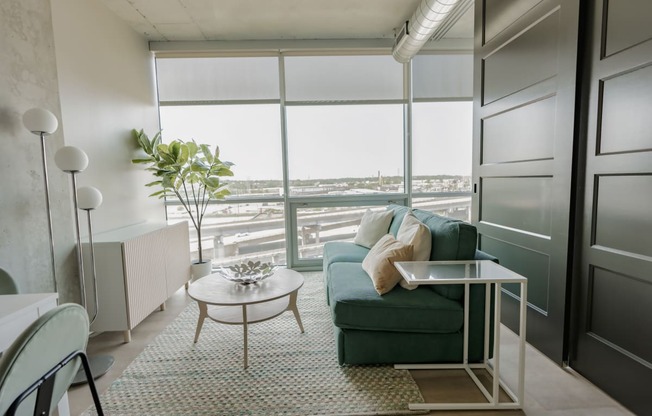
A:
{"points": [[424, 325]]}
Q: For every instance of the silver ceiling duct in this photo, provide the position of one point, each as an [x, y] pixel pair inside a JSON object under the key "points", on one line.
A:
{"points": [[429, 16]]}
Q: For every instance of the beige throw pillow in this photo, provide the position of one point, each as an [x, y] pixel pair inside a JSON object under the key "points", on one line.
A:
{"points": [[414, 232], [379, 262], [373, 226]]}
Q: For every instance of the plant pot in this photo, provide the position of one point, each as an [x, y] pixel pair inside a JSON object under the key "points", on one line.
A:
{"points": [[200, 270]]}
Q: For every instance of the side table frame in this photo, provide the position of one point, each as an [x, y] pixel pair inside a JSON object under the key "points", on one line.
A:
{"points": [[493, 397]]}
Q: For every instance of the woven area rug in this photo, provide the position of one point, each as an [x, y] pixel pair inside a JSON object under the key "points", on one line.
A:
{"points": [[289, 373]]}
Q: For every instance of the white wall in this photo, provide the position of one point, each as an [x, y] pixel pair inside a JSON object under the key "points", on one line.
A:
{"points": [[107, 88]]}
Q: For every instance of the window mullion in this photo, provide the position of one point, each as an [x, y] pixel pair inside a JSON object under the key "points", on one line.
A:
{"points": [[290, 230], [407, 152]]}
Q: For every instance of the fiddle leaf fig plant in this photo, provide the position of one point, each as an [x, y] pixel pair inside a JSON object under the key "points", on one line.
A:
{"points": [[187, 171]]}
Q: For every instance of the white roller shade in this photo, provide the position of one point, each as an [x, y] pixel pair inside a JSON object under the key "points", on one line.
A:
{"points": [[217, 79], [442, 76], [334, 78]]}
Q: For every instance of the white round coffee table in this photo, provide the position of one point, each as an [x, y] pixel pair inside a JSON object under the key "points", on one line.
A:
{"points": [[239, 304]]}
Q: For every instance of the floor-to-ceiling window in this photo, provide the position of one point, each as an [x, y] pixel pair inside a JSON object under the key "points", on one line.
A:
{"points": [[316, 141], [232, 103], [345, 145], [442, 136]]}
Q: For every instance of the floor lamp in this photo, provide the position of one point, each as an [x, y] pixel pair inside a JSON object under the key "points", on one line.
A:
{"points": [[90, 198], [73, 160], [43, 123]]}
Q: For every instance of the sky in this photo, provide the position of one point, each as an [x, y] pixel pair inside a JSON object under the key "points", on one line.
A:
{"points": [[328, 141]]}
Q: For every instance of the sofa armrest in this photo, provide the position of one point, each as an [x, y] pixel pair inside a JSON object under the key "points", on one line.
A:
{"points": [[481, 255]]}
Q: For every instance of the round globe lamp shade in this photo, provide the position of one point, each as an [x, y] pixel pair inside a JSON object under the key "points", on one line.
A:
{"points": [[39, 120], [88, 198], [71, 159]]}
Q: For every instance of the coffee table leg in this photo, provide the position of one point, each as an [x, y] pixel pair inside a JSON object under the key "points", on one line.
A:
{"points": [[203, 313], [292, 305], [244, 326]]}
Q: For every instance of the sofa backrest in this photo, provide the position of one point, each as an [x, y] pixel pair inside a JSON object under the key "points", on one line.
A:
{"points": [[452, 239]]}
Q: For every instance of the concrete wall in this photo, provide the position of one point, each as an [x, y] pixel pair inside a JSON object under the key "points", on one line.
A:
{"points": [[76, 59], [28, 78]]}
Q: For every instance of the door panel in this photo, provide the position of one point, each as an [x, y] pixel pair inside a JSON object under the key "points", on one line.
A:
{"points": [[624, 27], [500, 14], [625, 106], [520, 135], [524, 261], [520, 203], [613, 341], [622, 215], [524, 115], [616, 298], [533, 52]]}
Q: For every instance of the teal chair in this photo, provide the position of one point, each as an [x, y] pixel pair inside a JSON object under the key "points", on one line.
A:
{"points": [[7, 284], [38, 368]]}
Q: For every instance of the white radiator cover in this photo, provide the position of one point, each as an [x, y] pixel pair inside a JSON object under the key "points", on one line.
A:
{"points": [[138, 268]]}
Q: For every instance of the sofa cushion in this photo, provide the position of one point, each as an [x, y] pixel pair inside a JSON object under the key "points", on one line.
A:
{"points": [[355, 304], [372, 227], [414, 232], [343, 251], [452, 239], [379, 263]]}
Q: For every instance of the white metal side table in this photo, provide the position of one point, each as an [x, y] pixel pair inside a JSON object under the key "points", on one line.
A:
{"points": [[467, 273]]}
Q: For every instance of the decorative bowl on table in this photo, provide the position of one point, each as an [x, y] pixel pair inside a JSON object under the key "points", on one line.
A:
{"points": [[247, 273]]}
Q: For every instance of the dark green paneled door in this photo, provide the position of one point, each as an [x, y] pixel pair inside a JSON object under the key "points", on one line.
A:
{"points": [[613, 345], [524, 109]]}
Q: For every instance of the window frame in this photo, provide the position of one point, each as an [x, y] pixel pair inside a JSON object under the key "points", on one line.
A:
{"points": [[292, 202]]}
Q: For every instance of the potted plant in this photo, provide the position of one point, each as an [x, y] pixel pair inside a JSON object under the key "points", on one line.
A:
{"points": [[191, 173]]}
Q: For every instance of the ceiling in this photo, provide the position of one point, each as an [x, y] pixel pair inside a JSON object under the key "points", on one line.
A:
{"points": [[229, 20]]}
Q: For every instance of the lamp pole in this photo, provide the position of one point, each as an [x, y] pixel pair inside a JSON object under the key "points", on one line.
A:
{"points": [[90, 198], [42, 123], [80, 254], [49, 212]]}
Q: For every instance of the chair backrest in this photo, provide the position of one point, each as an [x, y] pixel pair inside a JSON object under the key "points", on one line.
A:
{"points": [[40, 348], [7, 284]]}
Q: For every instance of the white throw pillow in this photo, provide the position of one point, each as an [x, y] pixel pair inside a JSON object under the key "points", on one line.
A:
{"points": [[373, 226], [379, 262], [417, 234]]}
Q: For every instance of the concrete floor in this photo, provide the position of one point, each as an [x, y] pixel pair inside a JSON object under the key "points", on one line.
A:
{"points": [[550, 390]]}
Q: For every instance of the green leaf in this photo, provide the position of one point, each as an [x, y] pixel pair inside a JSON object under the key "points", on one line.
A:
{"points": [[192, 149], [212, 183], [199, 166], [206, 151], [156, 140], [224, 172], [158, 193]]}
